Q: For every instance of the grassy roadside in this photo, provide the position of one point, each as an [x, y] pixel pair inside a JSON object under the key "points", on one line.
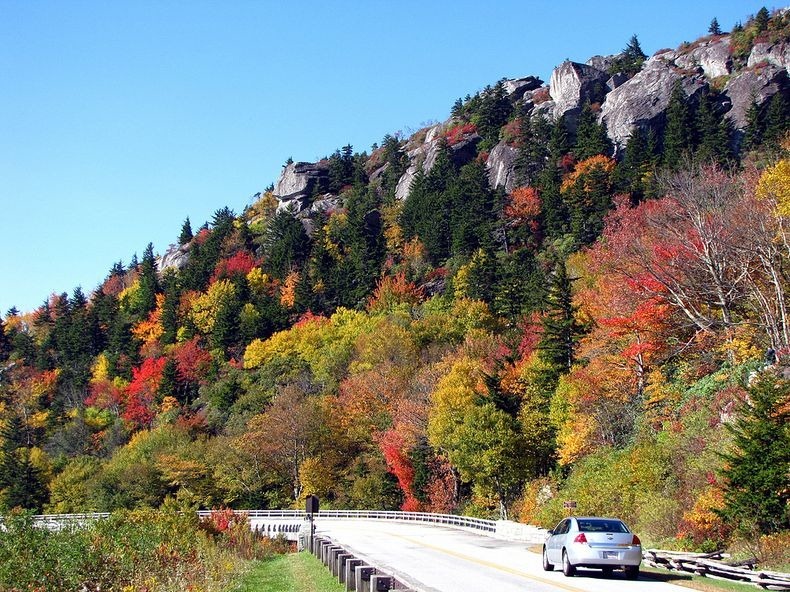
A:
{"points": [[294, 572], [695, 582], [684, 579]]}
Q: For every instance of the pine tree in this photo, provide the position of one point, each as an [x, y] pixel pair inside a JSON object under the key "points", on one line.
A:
{"points": [[533, 149], [777, 120], [757, 472], [286, 244], [678, 134], [761, 19], [755, 128], [21, 483], [630, 59], [559, 142], [561, 330], [186, 233], [714, 28], [712, 131], [149, 283], [471, 210], [591, 138]]}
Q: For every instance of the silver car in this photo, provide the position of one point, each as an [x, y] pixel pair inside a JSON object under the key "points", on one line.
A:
{"points": [[601, 543]]}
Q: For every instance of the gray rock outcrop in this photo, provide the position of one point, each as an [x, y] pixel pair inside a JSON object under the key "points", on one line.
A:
{"points": [[517, 87], [175, 257], [423, 157], [574, 84], [297, 182], [643, 100], [500, 167], [777, 55], [712, 57], [753, 85]]}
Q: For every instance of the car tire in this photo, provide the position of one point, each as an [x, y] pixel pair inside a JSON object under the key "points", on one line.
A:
{"points": [[567, 567], [546, 565], [631, 572]]}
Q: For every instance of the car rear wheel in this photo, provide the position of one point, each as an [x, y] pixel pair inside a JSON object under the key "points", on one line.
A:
{"points": [[546, 565], [631, 572], [567, 567]]}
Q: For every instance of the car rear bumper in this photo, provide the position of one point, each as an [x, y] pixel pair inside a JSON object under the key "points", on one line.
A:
{"points": [[600, 556]]}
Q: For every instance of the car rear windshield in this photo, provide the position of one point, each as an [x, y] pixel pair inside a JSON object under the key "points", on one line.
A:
{"points": [[602, 526]]}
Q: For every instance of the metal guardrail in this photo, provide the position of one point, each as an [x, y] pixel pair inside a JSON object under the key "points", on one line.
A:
{"points": [[445, 519]]}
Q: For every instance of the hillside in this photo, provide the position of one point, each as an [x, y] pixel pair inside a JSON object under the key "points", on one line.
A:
{"points": [[573, 290]]}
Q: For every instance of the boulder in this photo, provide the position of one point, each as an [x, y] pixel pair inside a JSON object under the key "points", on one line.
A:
{"points": [[517, 87], [424, 157], [712, 56], [175, 257], [642, 100], [602, 63], [753, 85], [299, 179], [616, 80], [500, 167], [574, 84], [777, 55]]}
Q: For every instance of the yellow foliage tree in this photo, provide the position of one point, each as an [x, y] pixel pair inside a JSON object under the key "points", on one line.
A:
{"points": [[204, 309]]}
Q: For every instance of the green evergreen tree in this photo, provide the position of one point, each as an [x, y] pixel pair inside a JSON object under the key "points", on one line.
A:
{"points": [[168, 384], [533, 149], [21, 483], [714, 28], [755, 128], [561, 330], [471, 210], [633, 172], [149, 283], [559, 141], [186, 233], [678, 134], [630, 59], [427, 210], [712, 131], [757, 470], [286, 244], [591, 138], [777, 120], [761, 19], [494, 111]]}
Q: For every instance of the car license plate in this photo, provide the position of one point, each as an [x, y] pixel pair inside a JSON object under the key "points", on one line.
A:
{"points": [[610, 554]]}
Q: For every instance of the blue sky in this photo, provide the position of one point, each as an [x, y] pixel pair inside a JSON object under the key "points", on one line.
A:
{"points": [[120, 119]]}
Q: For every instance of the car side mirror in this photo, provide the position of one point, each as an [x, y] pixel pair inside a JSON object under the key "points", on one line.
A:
{"points": [[550, 531]]}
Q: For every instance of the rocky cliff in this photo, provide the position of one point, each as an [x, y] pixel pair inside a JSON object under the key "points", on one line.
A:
{"points": [[623, 102]]}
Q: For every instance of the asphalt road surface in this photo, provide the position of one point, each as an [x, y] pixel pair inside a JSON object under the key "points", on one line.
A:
{"points": [[433, 558]]}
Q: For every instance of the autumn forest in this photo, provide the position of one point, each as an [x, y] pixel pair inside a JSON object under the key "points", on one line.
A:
{"points": [[613, 328]]}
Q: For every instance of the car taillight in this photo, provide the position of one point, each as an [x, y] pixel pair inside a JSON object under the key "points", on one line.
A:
{"points": [[580, 538], [636, 541]]}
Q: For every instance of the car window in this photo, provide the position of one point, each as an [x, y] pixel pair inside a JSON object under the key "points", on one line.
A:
{"points": [[565, 526], [597, 525]]}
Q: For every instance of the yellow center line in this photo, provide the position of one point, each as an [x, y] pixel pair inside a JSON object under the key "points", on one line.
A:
{"points": [[490, 564]]}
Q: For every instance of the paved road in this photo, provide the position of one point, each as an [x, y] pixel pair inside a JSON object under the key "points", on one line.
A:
{"points": [[438, 559]]}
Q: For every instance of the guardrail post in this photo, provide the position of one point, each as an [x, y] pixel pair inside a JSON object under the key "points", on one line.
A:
{"points": [[380, 583], [349, 573], [332, 558], [362, 575], [340, 566]]}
